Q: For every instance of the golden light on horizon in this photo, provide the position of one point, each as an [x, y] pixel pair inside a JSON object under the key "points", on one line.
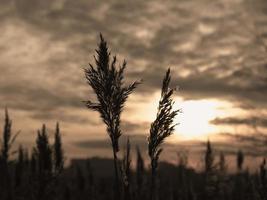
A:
{"points": [[194, 121]]}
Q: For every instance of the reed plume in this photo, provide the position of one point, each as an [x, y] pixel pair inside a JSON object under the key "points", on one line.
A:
{"points": [[160, 129], [107, 81]]}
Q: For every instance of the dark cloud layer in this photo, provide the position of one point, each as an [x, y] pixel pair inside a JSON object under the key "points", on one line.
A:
{"points": [[252, 121], [220, 57]]}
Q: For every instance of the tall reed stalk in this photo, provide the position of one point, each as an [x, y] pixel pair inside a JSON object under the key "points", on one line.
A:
{"points": [[107, 81], [7, 141], [126, 171], [160, 129]]}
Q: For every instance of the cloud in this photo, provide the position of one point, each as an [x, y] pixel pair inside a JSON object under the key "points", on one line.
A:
{"points": [[61, 116], [251, 121], [216, 50], [199, 44]]}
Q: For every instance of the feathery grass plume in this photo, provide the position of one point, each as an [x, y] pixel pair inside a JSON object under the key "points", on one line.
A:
{"points": [[160, 129], [58, 151], [126, 171], [107, 81]]}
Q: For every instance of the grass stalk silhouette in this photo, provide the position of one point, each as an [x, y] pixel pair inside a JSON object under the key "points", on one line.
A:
{"points": [[44, 168], [160, 129], [6, 144], [126, 171], [140, 172], [107, 81], [58, 152]]}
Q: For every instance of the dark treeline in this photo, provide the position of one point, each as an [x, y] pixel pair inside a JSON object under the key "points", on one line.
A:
{"points": [[39, 173]]}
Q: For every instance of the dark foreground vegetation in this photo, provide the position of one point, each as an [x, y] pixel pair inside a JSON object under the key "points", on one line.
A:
{"points": [[39, 173]]}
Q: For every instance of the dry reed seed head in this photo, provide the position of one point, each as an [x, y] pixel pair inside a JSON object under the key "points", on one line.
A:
{"points": [[163, 125], [106, 80]]}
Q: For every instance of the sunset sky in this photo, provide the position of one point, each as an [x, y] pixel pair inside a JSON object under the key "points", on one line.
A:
{"points": [[216, 50]]}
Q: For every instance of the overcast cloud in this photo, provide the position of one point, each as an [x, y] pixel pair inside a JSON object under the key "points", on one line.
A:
{"points": [[216, 49]]}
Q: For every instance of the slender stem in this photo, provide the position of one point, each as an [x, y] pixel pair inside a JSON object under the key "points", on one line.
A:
{"points": [[117, 195], [153, 195]]}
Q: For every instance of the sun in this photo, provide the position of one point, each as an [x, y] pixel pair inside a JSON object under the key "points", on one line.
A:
{"points": [[194, 121]]}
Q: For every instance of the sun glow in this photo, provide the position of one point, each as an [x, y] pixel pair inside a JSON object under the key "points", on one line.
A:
{"points": [[194, 121]]}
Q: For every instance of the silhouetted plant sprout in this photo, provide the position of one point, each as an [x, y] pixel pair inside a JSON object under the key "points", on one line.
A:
{"points": [[58, 151], [7, 140], [47, 163], [210, 172], [126, 171], [107, 81], [160, 129], [209, 158], [43, 152]]}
